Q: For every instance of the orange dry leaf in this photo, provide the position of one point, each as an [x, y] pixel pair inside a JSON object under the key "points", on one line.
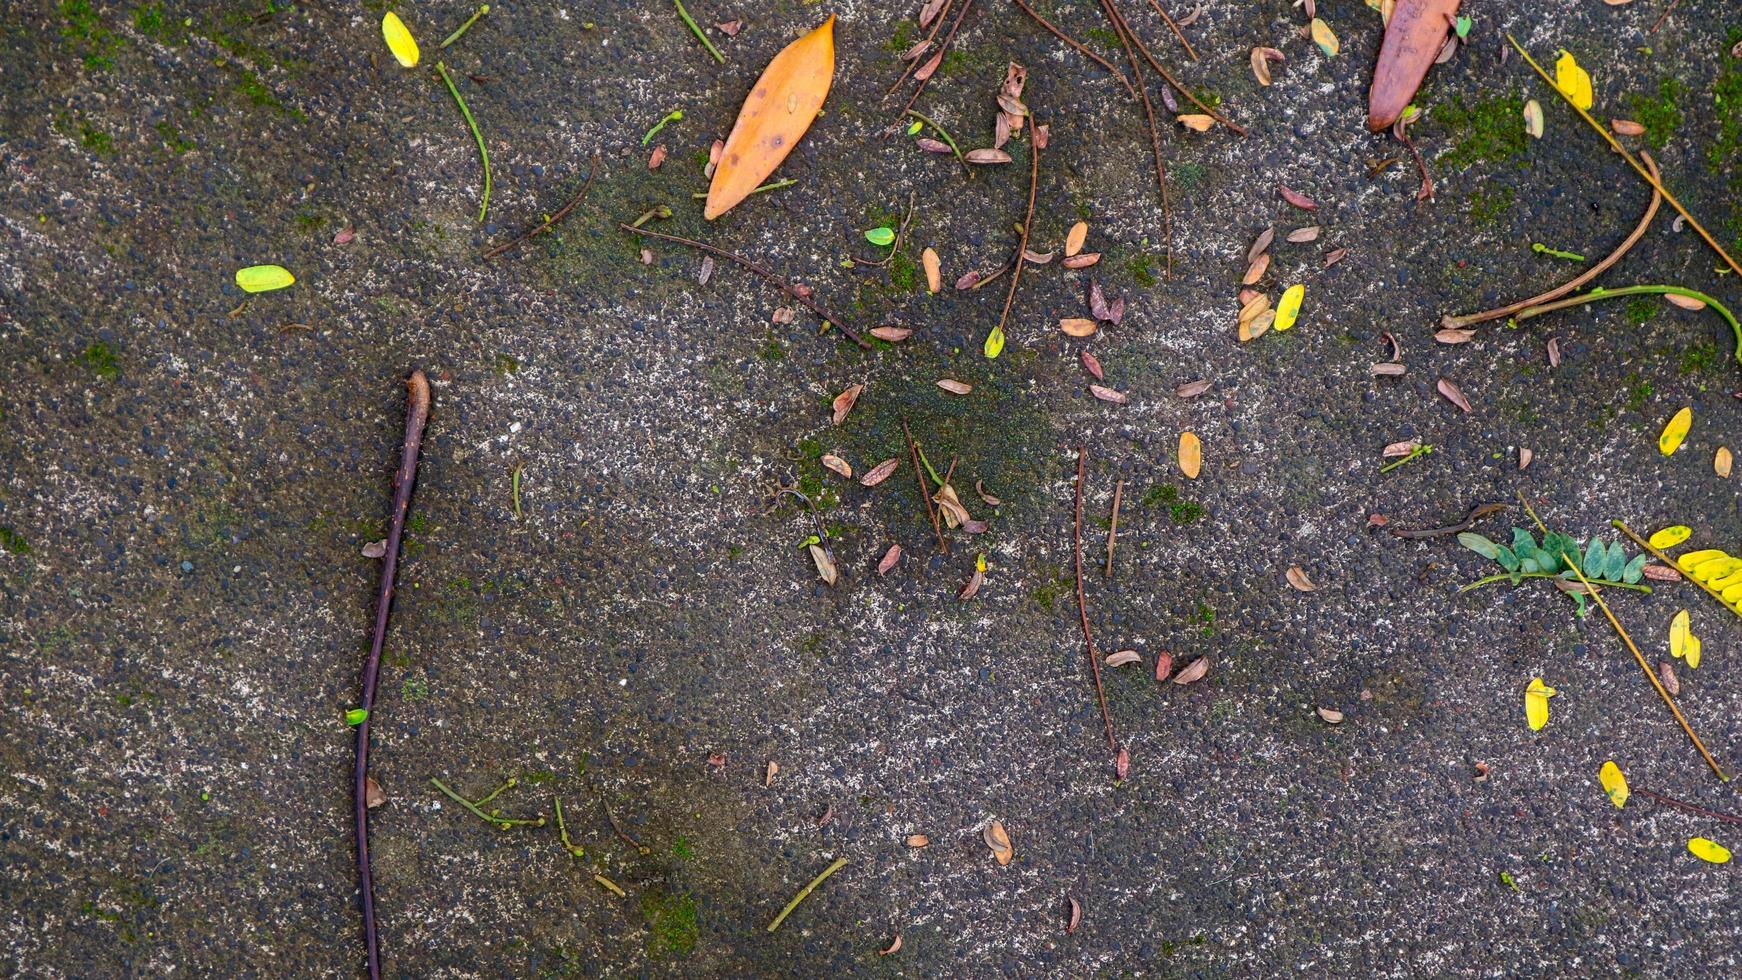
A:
{"points": [[776, 113]]}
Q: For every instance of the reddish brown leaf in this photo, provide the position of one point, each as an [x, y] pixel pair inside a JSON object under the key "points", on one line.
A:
{"points": [[345, 236], [930, 11], [893, 947], [1554, 352], [1296, 198], [1412, 41], [1627, 127], [1077, 326], [1192, 389], [1101, 309], [1036, 258], [1666, 673], [717, 760], [1396, 348], [925, 71], [372, 794], [837, 464], [891, 334], [1403, 448], [1107, 394], [1685, 302], [656, 158], [1042, 134], [1163, 665], [1298, 578], [969, 279], [1261, 243], [1388, 369], [972, 586], [1256, 270], [1334, 256], [1092, 364], [916, 840], [714, 152], [730, 28], [1453, 394], [1377, 520], [1076, 918], [1454, 335], [844, 402], [1121, 763], [1081, 261], [1301, 236], [783, 314], [980, 488], [769, 773], [890, 557], [1122, 658], [1662, 573], [930, 145], [998, 840], [1193, 671], [1524, 457], [986, 154], [877, 474]]}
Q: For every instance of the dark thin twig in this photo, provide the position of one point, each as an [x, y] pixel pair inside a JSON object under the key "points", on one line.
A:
{"points": [[1113, 528], [1171, 80], [561, 213], [1125, 39], [1078, 47], [1427, 185], [416, 414], [942, 49], [1663, 16], [1027, 223], [1175, 27], [913, 64], [762, 271], [1694, 808], [1475, 513], [1083, 605], [924, 491], [816, 525]]}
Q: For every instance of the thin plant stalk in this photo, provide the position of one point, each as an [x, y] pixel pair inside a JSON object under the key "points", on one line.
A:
{"points": [[483, 208], [772, 185], [1175, 27], [1126, 39], [924, 491], [804, 892], [1083, 605], [1667, 560], [1509, 576], [561, 213], [463, 28], [1168, 76], [1022, 246], [1647, 290], [922, 117], [697, 31], [1078, 47]]}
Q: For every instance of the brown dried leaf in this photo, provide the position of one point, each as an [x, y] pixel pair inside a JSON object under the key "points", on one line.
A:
{"points": [[1082, 261], [1191, 18], [1453, 393], [1447, 51], [893, 947], [1331, 715], [1685, 302], [1662, 573], [1334, 256], [1163, 665], [955, 387], [1122, 658], [1197, 122], [838, 464], [930, 145], [925, 71], [1388, 369], [1721, 462], [345, 236], [969, 279], [372, 794], [825, 565], [1092, 364], [1554, 352], [717, 760], [998, 840], [714, 152], [917, 840], [1396, 348], [1000, 131], [844, 402], [1524, 457], [1191, 454], [934, 278], [1107, 394], [1403, 448], [1298, 578], [1193, 671], [1666, 674], [1077, 326], [656, 158], [1626, 127], [1076, 918], [893, 335], [646, 256], [955, 515], [1258, 325], [1100, 309], [986, 155], [1075, 238], [890, 557], [1256, 305], [769, 774], [980, 488], [1454, 335], [1256, 270], [1192, 389], [375, 549], [1121, 763], [783, 314], [877, 474], [1013, 106], [1036, 258], [707, 270], [930, 11], [1261, 243], [1260, 67], [1296, 198], [1377, 520], [1301, 236]]}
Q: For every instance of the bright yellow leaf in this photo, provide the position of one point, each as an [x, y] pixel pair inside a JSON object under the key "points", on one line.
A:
{"points": [[399, 40], [1675, 431], [1717, 568], [263, 278], [1687, 561], [1693, 651], [1707, 850], [1288, 307], [1678, 634], [1536, 703], [995, 342], [1614, 783], [1670, 536], [1572, 80]]}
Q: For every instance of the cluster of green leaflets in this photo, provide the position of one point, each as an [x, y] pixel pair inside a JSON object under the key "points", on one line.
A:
{"points": [[1603, 562]]}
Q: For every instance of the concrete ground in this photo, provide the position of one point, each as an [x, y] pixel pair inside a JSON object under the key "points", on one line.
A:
{"points": [[188, 476]]}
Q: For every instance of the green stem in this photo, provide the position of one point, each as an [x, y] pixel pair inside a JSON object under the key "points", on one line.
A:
{"points": [[1508, 576], [507, 784], [934, 473], [501, 822], [922, 117], [674, 115], [482, 152], [517, 471], [698, 32], [568, 845], [838, 864], [1542, 249], [1601, 293], [770, 186], [455, 36], [1416, 453]]}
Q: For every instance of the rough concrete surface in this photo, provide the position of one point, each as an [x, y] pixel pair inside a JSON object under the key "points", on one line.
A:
{"points": [[188, 476]]}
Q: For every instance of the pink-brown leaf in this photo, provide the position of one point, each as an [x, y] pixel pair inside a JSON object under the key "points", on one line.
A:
{"points": [[877, 474], [1296, 198], [1107, 394], [1092, 364], [844, 401], [1453, 393]]}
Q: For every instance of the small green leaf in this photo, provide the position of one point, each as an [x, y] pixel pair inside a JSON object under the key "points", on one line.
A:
{"points": [[1616, 563], [1523, 541], [883, 235], [263, 278], [1592, 563], [1463, 27], [1635, 569], [1480, 545], [1558, 543], [356, 716], [1507, 557], [914, 129], [1529, 565], [807, 542]]}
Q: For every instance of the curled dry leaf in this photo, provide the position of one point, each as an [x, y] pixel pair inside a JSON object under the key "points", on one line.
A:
{"points": [[916, 840], [1626, 127], [1721, 461], [769, 774], [1191, 454], [779, 109], [1662, 573], [656, 158], [929, 12], [1260, 66], [1331, 715], [1197, 122], [1198, 11], [1454, 335], [1261, 243], [971, 587], [1163, 665], [1524, 457], [1082, 261], [838, 464], [1298, 578], [825, 565], [890, 557], [1122, 658], [346, 236], [955, 387], [1554, 352], [1256, 270], [1453, 393], [1076, 917], [1301, 236], [1107, 394], [1666, 673], [843, 402], [877, 474], [893, 947], [986, 495], [372, 794], [375, 549], [1192, 389], [986, 154], [714, 152], [893, 335], [1533, 122], [1100, 309], [1257, 326], [1076, 326], [998, 841], [1036, 258], [1092, 364], [783, 314], [1193, 672], [1296, 198], [969, 279], [1403, 448], [1396, 348], [1389, 369], [1075, 238], [934, 278], [1121, 763], [1335, 255], [730, 28], [1685, 302]]}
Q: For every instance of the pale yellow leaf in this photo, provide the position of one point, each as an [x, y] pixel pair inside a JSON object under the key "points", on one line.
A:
{"points": [[1692, 659], [1533, 122], [1721, 462]]}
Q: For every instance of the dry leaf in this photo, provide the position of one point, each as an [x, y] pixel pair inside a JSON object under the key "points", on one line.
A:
{"points": [[1075, 238], [777, 112], [955, 387], [844, 402], [972, 586], [1554, 352], [891, 334], [1396, 449], [1388, 369], [1453, 394], [1076, 918], [986, 155], [1454, 335], [838, 464], [1533, 121], [1685, 302], [1261, 243], [1036, 258], [1257, 326], [893, 947], [890, 557], [933, 270], [1192, 389], [1626, 127], [730, 28], [1107, 394], [999, 841], [375, 549], [1092, 364], [980, 488], [1198, 11], [1260, 66], [1721, 461], [1163, 665], [707, 270], [1077, 326], [647, 259], [1301, 236], [1412, 40], [1121, 763], [372, 794], [1662, 573], [1524, 457], [1256, 305], [1082, 261], [714, 151], [656, 158], [1191, 454], [1193, 671], [1334, 256], [1299, 580], [1331, 715], [1448, 50], [345, 236], [825, 564], [1296, 198], [877, 474], [1100, 309], [1325, 38], [783, 314], [1122, 658], [1197, 122], [1256, 270], [917, 840], [930, 145], [925, 71], [768, 776], [1666, 674]]}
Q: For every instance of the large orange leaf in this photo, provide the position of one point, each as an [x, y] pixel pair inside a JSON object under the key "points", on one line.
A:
{"points": [[776, 113], [1413, 39]]}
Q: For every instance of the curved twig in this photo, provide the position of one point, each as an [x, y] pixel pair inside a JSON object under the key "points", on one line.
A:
{"points": [[1077, 46], [1022, 246], [1601, 293], [1126, 38], [561, 213], [1175, 27], [1191, 96]]}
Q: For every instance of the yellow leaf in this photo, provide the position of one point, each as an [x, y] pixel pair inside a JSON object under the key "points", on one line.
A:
{"points": [[1572, 80], [995, 342], [1687, 562], [1678, 634], [1721, 462], [1288, 307], [1536, 703], [399, 40], [1675, 431], [1614, 783], [1670, 536], [780, 107], [1693, 651], [1325, 38], [1717, 568], [1707, 850], [1191, 454], [263, 278]]}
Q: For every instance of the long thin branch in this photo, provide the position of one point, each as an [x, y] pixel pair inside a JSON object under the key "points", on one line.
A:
{"points": [[1593, 272], [1078, 47], [1125, 39], [1693, 808], [416, 414], [1022, 246], [942, 49], [1175, 27], [1083, 606], [561, 213], [764, 272], [1168, 75], [1113, 526], [924, 491]]}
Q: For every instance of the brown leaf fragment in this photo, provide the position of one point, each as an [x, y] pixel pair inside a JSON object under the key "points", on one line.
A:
{"points": [[656, 158], [1082, 261], [730, 28], [893, 947], [1197, 122], [1076, 326], [1453, 393], [986, 154], [1193, 672], [1662, 573], [986, 495], [1013, 106], [1666, 674], [969, 279], [714, 152], [930, 145], [1191, 18], [1192, 389], [1121, 763], [877, 474], [1122, 658], [1377, 520], [707, 270], [1260, 67], [1256, 270], [890, 557], [955, 515], [717, 760], [783, 314], [1163, 665], [1036, 258], [955, 387], [345, 236], [1261, 243], [1101, 309], [1388, 369], [1627, 127], [1076, 916], [838, 464], [1092, 364], [925, 71], [844, 402], [934, 280], [1448, 50], [893, 335], [1554, 352], [1685, 302], [372, 794], [1296, 198], [375, 549], [1298, 578], [769, 774], [1257, 326], [1254, 306], [999, 841], [1396, 449], [1331, 715], [1482, 767], [825, 565], [1524, 457], [916, 840], [1075, 238], [1000, 131], [1301, 236], [929, 12], [1396, 348], [1334, 256], [1107, 394], [1454, 335]]}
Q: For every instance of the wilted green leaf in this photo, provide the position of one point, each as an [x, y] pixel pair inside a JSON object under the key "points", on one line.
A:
{"points": [[883, 236], [1480, 545]]}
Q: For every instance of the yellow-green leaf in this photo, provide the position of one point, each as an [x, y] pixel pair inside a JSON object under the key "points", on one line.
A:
{"points": [[1288, 307], [1614, 783], [1693, 651], [1707, 850], [1325, 38], [1687, 562], [1678, 634], [1675, 431], [263, 278], [995, 342], [1717, 568], [1572, 80], [1536, 703], [1670, 536], [399, 40]]}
